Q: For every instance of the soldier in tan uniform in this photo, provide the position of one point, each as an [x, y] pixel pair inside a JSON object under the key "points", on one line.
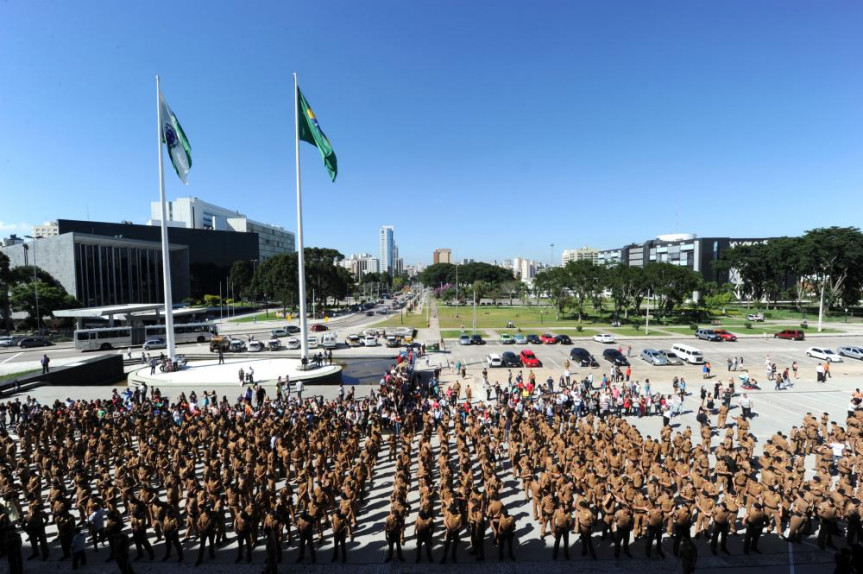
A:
{"points": [[562, 521]]}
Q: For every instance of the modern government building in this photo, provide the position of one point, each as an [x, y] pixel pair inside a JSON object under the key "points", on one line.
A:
{"points": [[101, 263]]}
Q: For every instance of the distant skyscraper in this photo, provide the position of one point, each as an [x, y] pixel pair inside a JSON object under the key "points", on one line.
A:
{"points": [[387, 249], [442, 256]]}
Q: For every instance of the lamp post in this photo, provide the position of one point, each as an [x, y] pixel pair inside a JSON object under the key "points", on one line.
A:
{"points": [[35, 287]]}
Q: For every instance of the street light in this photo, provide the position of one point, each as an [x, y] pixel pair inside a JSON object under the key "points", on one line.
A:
{"points": [[35, 288]]}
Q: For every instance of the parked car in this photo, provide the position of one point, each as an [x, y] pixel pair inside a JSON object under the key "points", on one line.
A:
{"points": [[464, 340], [758, 317], [852, 352], [603, 338], [547, 339], [725, 335], [370, 313], [476, 340], [274, 344], [493, 360], [148, 344], [9, 341], [528, 359], [28, 342], [292, 343], [255, 346], [506, 339], [393, 342], [318, 327], [707, 335], [823, 354], [285, 331], [370, 341], [671, 357], [615, 357], [563, 339], [510, 359], [654, 357], [534, 340], [790, 334], [519, 339], [237, 345], [582, 357], [353, 341]]}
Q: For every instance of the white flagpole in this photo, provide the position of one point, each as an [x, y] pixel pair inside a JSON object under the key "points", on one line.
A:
{"points": [[166, 252], [301, 263]]}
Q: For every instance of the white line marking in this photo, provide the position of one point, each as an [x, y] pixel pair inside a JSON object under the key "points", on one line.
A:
{"points": [[12, 357]]}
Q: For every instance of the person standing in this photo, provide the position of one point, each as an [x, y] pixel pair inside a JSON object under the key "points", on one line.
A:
{"points": [[45, 364], [394, 531], [746, 406], [755, 520], [622, 530], [584, 525], [720, 528], [506, 534], [120, 544], [221, 355], [794, 369], [423, 528], [819, 373], [306, 535], [299, 388], [688, 556], [79, 544], [11, 541], [34, 525], [562, 525], [170, 528]]}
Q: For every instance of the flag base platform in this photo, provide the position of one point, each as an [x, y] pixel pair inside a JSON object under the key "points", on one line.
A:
{"points": [[209, 373]]}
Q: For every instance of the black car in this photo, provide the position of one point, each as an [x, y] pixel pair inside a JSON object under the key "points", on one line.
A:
{"points": [[534, 339], [509, 359], [616, 357], [563, 339], [476, 340], [582, 357], [28, 342], [370, 313]]}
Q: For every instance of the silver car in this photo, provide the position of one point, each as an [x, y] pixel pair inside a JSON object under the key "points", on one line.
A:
{"points": [[670, 357], [654, 357], [852, 352]]}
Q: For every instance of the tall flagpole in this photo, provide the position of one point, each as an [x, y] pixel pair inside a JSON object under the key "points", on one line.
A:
{"points": [[166, 252], [301, 263]]}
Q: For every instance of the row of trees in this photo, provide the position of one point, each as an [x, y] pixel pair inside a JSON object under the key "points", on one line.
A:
{"points": [[580, 283], [277, 277], [18, 292], [793, 268]]}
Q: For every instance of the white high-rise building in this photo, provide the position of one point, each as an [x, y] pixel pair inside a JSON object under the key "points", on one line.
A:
{"points": [[361, 264], [388, 249], [47, 229], [193, 213]]}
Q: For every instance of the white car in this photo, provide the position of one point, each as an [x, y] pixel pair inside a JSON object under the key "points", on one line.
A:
{"points": [[853, 352], [823, 354], [313, 342], [255, 346], [7, 342], [370, 341], [292, 343], [494, 360], [603, 338]]}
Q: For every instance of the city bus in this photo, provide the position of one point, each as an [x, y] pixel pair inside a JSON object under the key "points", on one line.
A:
{"points": [[106, 338]]}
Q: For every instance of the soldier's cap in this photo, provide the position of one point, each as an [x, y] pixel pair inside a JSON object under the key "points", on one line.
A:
{"points": [[582, 503], [758, 505]]}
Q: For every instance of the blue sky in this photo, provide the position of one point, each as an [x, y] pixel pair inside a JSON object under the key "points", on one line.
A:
{"points": [[492, 128]]}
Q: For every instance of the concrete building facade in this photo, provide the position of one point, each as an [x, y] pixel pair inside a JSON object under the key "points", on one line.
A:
{"points": [[579, 254], [443, 255]]}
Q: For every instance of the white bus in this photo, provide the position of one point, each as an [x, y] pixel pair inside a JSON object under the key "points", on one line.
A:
{"points": [[106, 338]]}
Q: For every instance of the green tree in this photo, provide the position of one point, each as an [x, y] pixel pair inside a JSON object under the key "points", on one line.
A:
{"points": [[673, 284], [240, 277], [626, 285], [51, 297], [555, 284], [832, 256]]}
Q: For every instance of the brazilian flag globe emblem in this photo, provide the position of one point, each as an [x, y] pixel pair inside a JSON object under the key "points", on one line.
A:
{"points": [[310, 131]]}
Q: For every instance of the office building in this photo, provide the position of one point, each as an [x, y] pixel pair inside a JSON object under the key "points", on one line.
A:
{"points": [[582, 253], [47, 229], [361, 264], [101, 270], [194, 213], [442, 256], [387, 249], [525, 269]]}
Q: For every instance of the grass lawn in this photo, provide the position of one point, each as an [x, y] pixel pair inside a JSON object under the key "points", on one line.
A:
{"points": [[413, 320], [634, 331], [12, 376]]}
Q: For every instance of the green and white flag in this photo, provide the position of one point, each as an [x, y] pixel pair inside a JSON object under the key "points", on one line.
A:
{"points": [[175, 138]]}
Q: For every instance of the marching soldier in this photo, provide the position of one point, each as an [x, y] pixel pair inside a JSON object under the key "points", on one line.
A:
{"points": [[622, 529], [562, 525], [423, 528], [394, 530], [170, 527], [755, 521], [452, 523], [506, 534], [306, 535], [584, 523]]}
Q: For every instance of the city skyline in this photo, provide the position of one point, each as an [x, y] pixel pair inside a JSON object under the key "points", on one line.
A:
{"points": [[716, 119]]}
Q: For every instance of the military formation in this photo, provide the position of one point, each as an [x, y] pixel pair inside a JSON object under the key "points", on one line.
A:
{"points": [[143, 477]]}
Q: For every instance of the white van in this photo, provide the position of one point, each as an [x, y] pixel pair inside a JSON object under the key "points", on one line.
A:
{"points": [[328, 341], [688, 353]]}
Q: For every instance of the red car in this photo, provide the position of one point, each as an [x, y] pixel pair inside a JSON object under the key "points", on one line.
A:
{"points": [[725, 335], [548, 339], [792, 334], [528, 359], [319, 327]]}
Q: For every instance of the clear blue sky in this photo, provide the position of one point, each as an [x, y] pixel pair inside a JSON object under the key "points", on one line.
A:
{"points": [[493, 128]]}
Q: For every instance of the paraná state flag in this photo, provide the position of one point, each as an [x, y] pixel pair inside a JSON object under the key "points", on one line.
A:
{"points": [[175, 139], [310, 131]]}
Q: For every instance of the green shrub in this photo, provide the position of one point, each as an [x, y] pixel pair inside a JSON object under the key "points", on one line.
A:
{"points": [[747, 324], [579, 328], [693, 326]]}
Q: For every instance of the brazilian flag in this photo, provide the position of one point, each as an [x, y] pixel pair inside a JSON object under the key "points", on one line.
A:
{"points": [[310, 131]]}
